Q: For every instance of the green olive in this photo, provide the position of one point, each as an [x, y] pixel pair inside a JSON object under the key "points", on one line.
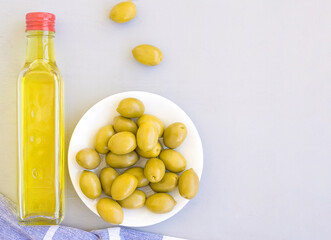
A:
{"points": [[154, 170], [88, 158], [173, 160], [147, 54], [123, 186], [103, 136], [174, 135], [147, 136], [160, 203], [107, 176], [123, 12], [122, 124], [121, 161], [156, 121], [122, 143], [131, 108], [152, 153], [188, 184], [167, 184], [110, 211], [90, 184], [135, 200], [138, 172]]}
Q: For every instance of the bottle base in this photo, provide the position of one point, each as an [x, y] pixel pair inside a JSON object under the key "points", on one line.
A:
{"points": [[38, 220]]}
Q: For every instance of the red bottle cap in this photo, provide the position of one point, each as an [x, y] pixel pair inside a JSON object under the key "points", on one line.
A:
{"points": [[40, 21]]}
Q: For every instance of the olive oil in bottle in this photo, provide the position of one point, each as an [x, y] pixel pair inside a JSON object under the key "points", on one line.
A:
{"points": [[40, 127]]}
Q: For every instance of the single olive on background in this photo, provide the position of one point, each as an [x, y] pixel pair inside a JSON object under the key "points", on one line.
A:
{"points": [[103, 136], [135, 200], [122, 124], [123, 186], [90, 184], [156, 121], [167, 184], [131, 108], [147, 136], [122, 143], [88, 158], [152, 153], [110, 211], [107, 176], [160, 203], [174, 135], [122, 161], [188, 184], [174, 161], [123, 12], [138, 172], [147, 54], [154, 170]]}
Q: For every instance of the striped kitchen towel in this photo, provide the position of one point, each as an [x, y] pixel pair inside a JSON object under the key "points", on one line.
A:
{"points": [[11, 230]]}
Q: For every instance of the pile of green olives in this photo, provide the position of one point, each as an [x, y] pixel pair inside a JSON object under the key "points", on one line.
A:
{"points": [[134, 135]]}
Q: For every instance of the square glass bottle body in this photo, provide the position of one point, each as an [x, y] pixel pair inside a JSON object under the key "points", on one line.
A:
{"points": [[40, 134]]}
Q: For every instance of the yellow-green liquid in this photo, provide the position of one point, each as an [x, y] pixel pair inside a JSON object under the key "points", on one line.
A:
{"points": [[40, 139]]}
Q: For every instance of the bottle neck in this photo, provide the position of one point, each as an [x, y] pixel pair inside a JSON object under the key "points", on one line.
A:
{"points": [[40, 45]]}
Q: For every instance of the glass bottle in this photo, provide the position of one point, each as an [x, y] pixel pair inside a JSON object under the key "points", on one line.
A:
{"points": [[40, 127]]}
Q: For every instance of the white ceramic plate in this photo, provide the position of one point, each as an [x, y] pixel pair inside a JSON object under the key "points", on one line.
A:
{"points": [[102, 114]]}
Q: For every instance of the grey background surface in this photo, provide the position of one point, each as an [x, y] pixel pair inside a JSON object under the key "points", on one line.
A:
{"points": [[254, 76]]}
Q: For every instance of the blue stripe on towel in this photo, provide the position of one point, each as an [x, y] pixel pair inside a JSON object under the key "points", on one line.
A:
{"points": [[128, 234], [64, 232]]}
